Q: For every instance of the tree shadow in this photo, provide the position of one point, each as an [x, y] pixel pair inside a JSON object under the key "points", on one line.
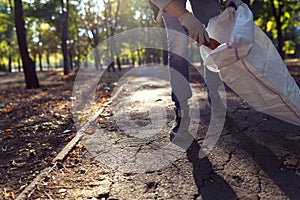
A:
{"points": [[211, 186]]}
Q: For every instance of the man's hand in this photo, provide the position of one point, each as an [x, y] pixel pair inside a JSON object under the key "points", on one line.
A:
{"points": [[195, 28], [236, 2]]}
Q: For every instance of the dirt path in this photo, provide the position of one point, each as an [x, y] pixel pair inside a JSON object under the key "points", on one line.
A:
{"points": [[122, 157]]}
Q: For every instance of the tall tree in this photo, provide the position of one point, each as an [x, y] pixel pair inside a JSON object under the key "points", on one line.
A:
{"points": [[28, 64], [278, 18], [7, 35], [92, 22], [64, 35], [111, 19], [277, 12]]}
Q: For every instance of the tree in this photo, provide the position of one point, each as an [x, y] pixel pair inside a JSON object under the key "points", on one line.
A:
{"points": [[7, 35], [64, 35], [277, 12], [276, 17], [92, 22], [52, 29], [31, 79], [111, 19]]}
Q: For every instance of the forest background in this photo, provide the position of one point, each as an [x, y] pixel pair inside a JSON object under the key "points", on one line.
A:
{"points": [[48, 35]]}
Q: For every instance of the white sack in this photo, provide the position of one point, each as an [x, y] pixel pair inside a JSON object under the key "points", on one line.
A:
{"points": [[250, 65]]}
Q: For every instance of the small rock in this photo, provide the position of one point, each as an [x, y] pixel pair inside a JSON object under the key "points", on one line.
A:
{"points": [[67, 131], [104, 195], [22, 187], [151, 185], [62, 190]]}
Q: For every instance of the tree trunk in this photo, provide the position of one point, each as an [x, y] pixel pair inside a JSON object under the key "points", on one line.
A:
{"points": [[78, 63], [139, 57], [9, 43], [112, 53], [64, 37], [111, 24], [28, 64], [71, 59], [40, 62], [133, 60], [9, 62], [278, 26], [48, 61], [119, 64], [96, 39], [19, 65], [97, 58]]}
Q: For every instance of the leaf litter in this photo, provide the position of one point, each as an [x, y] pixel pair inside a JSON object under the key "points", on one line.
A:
{"points": [[34, 126]]}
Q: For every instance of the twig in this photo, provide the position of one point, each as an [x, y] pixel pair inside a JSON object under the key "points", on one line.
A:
{"points": [[48, 195]]}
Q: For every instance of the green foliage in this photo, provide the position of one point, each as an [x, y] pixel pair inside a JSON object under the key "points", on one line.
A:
{"points": [[8, 46], [289, 18], [92, 21]]}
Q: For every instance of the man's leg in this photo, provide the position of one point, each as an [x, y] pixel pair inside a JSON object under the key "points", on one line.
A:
{"points": [[178, 51], [204, 10], [179, 72]]}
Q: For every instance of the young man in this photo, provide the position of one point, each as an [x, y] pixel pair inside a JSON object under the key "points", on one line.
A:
{"points": [[178, 19]]}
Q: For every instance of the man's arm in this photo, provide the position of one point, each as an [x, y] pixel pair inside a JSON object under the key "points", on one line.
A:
{"points": [[195, 28], [170, 6]]}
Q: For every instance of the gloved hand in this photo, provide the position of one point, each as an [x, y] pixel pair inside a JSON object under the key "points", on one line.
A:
{"points": [[196, 29], [236, 3]]}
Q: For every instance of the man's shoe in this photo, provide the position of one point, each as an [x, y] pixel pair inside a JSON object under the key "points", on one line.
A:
{"points": [[181, 122], [179, 133]]}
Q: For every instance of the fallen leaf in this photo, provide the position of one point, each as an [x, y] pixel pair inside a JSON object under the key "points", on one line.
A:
{"points": [[89, 131], [80, 147], [103, 101], [9, 195], [6, 111], [69, 138], [80, 117], [15, 164], [74, 153], [8, 137], [8, 129], [101, 121]]}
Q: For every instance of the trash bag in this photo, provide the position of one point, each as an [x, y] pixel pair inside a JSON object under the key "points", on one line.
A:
{"points": [[250, 65]]}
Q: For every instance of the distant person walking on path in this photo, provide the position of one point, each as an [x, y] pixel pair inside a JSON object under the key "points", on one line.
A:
{"points": [[177, 19]]}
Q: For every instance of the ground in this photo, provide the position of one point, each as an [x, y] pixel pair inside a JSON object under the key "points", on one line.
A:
{"points": [[256, 156], [35, 125]]}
